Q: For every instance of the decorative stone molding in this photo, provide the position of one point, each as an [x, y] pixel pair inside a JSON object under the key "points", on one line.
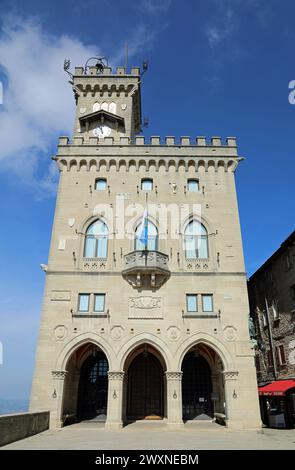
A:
{"points": [[227, 164], [230, 374], [116, 375], [60, 295], [198, 264], [93, 264], [173, 375], [173, 333], [59, 374], [147, 307], [230, 333], [60, 332], [117, 332]]}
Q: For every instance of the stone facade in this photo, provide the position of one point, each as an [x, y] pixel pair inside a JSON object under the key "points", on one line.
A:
{"points": [[273, 285], [145, 318]]}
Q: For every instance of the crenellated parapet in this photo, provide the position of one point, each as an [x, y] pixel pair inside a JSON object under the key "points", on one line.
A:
{"points": [[183, 141], [187, 155]]}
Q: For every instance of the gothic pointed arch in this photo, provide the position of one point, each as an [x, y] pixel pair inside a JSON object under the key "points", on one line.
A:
{"points": [[96, 240]]}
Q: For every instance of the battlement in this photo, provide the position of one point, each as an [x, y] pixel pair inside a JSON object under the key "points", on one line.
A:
{"points": [[170, 141], [107, 71]]}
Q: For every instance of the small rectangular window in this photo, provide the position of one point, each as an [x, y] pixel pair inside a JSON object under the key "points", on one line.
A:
{"points": [[257, 363], [83, 305], [101, 184], [281, 354], [207, 302], [192, 303], [99, 302], [193, 185], [147, 184]]}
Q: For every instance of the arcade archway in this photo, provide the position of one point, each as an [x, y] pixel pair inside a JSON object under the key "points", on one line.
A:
{"points": [[145, 385], [86, 386], [202, 384]]}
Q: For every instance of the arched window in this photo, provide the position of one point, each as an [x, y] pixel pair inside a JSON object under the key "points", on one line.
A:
{"points": [[195, 240], [152, 237], [96, 107], [113, 108], [96, 240]]}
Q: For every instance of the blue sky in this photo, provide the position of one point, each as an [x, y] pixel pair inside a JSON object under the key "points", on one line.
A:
{"points": [[216, 67]]}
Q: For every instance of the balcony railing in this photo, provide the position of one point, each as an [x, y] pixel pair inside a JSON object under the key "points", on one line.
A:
{"points": [[146, 268]]}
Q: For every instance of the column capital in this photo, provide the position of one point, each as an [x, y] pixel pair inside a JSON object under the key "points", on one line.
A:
{"points": [[171, 375], [116, 375], [230, 374], [59, 374]]}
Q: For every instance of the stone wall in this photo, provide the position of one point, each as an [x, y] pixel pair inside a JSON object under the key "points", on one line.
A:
{"points": [[18, 426]]}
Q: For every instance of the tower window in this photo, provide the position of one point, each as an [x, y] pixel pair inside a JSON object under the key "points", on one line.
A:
{"points": [[100, 184], [193, 185], [99, 302], [147, 184], [196, 241], [207, 302], [83, 304], [191, 302], [146, 236], [96, 240]]}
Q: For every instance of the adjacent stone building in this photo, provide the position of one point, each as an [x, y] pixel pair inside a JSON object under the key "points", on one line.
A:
{"points": [[145, 312], [273, 286], [272, 305]]}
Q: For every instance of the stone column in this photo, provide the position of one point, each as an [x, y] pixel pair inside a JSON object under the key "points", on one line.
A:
{"points": [[58, 381], [174, 400], [115, 400], [231, 405]]}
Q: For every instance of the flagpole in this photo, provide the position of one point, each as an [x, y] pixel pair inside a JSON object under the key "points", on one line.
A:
{"points": [[146, 228], [146, 220]]}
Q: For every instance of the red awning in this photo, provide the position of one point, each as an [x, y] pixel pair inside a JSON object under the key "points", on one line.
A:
{"points": [[276, 389]]}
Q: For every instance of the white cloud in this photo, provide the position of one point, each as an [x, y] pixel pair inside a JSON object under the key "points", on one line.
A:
{"points": [[38, 100], [218, 31], [154, 7]]}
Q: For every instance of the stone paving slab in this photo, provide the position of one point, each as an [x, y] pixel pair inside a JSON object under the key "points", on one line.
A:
{"points": [[154, 436]]}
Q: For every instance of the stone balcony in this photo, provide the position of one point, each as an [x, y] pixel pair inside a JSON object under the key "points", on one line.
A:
{"points": [[146, 268]]}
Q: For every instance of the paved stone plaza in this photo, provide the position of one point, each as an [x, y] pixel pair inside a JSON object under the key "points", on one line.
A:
{"points": [[153, 435]]}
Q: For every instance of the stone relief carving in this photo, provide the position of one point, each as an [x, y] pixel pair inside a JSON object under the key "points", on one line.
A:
{"points": [[146, 307], [174, 375], [116, 375], [60, 295], [117, 332], [230, 333], [60, 332], [230, 374], [145, 302], [59, 374], [173, 333]]}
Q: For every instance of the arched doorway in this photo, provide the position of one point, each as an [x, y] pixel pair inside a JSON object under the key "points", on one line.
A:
{"points": [[196, 387], [93, 387], [86, 385], [145, 387]]}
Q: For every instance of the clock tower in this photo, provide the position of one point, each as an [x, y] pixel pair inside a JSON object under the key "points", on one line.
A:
{"points": [[108, 104], [145, 312]]}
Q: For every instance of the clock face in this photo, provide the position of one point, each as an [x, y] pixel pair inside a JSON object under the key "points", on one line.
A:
{"points": [[102, 131]]}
